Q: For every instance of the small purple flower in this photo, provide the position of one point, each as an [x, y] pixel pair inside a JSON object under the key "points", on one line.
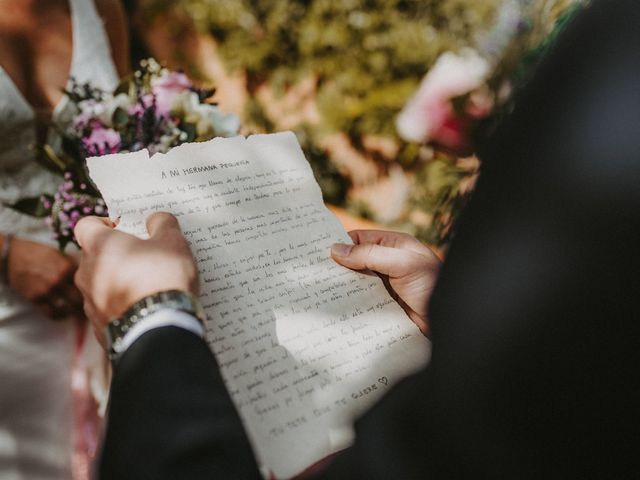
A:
{"points": [[71, 203], [86, 115], [143, 103], [102, 141]]}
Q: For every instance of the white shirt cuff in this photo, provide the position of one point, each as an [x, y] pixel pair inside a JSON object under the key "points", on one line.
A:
{"points": [[167, 317]]}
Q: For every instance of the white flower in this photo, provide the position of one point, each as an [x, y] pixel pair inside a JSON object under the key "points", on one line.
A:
{"points": [[452, 75], [216, 123], [185, 103], [208, 119], [122, 100], [103, 110]]}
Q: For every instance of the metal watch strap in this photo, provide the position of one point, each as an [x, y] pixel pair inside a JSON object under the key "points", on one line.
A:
{"points": [[170, 299]]}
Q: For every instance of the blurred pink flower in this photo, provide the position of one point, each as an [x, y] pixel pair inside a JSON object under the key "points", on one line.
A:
{"points": [[102, 141], [85, 115], [166, 87], [144, 101], [430, 116]]}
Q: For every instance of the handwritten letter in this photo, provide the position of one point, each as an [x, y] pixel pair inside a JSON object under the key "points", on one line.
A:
{"points": [[304, 345]]}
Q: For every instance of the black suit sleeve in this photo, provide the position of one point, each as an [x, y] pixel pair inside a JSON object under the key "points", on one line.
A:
{"points": [[535, 317], [170, 416]]}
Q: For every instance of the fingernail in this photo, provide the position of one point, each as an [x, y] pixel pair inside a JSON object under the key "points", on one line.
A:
{"points": [[341, 249]]}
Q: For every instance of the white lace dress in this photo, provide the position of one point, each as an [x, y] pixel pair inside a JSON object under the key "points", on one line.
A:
{"points": [[36, 353]]}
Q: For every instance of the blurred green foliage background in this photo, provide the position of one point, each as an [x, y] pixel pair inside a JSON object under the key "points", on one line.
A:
{"points": [[352, 64]]}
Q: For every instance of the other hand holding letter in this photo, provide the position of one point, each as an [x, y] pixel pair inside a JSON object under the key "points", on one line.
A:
{"points": [[408, 268]]}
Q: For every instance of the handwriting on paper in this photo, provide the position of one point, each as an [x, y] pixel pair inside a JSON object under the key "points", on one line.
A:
{"points": [[304, 345]]}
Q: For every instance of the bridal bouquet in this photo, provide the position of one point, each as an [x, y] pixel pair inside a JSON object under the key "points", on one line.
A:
{"points": [[154, 108]]}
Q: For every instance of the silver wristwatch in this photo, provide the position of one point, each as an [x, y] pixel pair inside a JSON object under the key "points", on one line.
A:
{"points": [[170, 299]]}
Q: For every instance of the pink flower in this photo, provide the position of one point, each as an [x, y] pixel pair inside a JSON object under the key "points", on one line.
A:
{"points": [[430, 116], [166, 87], [102, 141], [144, 102], [87, 113]]}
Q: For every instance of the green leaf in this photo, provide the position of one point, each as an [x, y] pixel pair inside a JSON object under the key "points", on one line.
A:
{"points": [[32, 206], [71, 150], [54, 159], [120, 118], [125, 86], [190, 130]]}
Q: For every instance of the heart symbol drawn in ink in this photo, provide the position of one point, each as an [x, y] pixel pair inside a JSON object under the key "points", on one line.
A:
{"points": [[383, 380]]}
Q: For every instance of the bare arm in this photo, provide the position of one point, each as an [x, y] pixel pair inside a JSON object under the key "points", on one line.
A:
{"points": [[116, 25], [42, 276]]}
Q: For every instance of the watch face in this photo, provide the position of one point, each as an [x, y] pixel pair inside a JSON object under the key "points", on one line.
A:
{"points": [[175, 300]]}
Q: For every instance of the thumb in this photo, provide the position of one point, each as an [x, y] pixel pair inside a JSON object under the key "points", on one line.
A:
{"points": [[389, 261], [161, 223], [89, 229]]}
